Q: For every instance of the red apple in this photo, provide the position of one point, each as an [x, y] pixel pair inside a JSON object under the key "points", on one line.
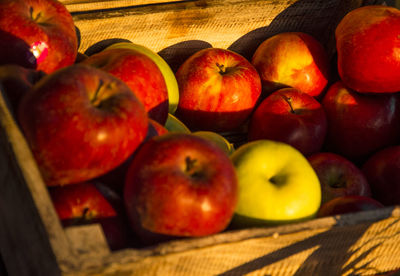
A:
{"points": [[290, 116], [218, 89], [17, 81], [155, 129], [382, 171], [81, 122], [292, 59], [38, 34], [338, 176], [116, 177], [348, 204], [140, 73], [367, 43], [360, 124], [180, 185], [89, 202]]}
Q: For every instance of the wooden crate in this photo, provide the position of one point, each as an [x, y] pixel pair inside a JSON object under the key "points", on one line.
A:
{"points": [[32, 240]]}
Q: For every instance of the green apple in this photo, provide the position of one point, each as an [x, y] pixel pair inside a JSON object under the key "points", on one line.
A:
{"points": [[173, 124], [276, 184], [218, 139], [169, 76]]}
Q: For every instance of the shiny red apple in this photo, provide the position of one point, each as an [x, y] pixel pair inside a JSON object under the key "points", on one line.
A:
{"points": [[116, 177], [218, 90], [37, 34], [292, 59], [338, 176], [290, 116], [368, 43], [360, 124], [348, 204], [180, 185], [81, 122], [382, 170], [140, 73], [89, 202]]}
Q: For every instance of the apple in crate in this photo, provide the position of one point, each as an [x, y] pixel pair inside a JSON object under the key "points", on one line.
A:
{"points": [[89, 202], [276, 184], [290, 116], [218, 90], [218, 139], [382, 170], [80, 122], [169, 76], [180, 185], [173, 124], [348, 204], [140, 73], [37, 34], [338, 176], [292, 59], [368, 49], [360, 124]]}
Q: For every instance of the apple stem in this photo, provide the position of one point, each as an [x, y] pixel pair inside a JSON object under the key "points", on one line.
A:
{"points": [[222, 68], [190, 168], [37, 16], [189, 164], [96, 94], [289, 102]]}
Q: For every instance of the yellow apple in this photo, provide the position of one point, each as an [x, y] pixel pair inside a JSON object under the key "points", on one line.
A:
{"points": [[169, 76], [276, 183], [173, 124], [218, 139]]}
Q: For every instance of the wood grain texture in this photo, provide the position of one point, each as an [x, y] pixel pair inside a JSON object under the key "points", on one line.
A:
{"points": [[93, 5], [32, 237]]}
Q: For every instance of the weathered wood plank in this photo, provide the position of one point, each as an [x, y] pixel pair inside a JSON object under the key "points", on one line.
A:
{"points": [[93, 5], [32, 238]]}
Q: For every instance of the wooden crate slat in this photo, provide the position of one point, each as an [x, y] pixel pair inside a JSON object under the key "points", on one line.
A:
{"points": [[93, 5], [365, 243], [20, 177]]}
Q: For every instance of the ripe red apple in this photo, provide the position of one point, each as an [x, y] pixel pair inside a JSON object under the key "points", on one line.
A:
{"points": [[292, 59], [180, 185], [140, 73], [155, 129], [360, 124], [81, 122], [338, 176], [382, 171], [218, 89], [367, 43], [348, 204], [116, 177], [89, 202], [37, 34], [290, 116], [17, 81]]}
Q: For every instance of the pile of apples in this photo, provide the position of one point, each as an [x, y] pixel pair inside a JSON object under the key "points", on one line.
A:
{"points": [[122, 140]]}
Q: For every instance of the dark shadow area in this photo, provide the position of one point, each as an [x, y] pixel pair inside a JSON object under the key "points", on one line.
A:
{"points": [[15, 50], [332, 255], [176, 54], [102, 44], [213, 121]]}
